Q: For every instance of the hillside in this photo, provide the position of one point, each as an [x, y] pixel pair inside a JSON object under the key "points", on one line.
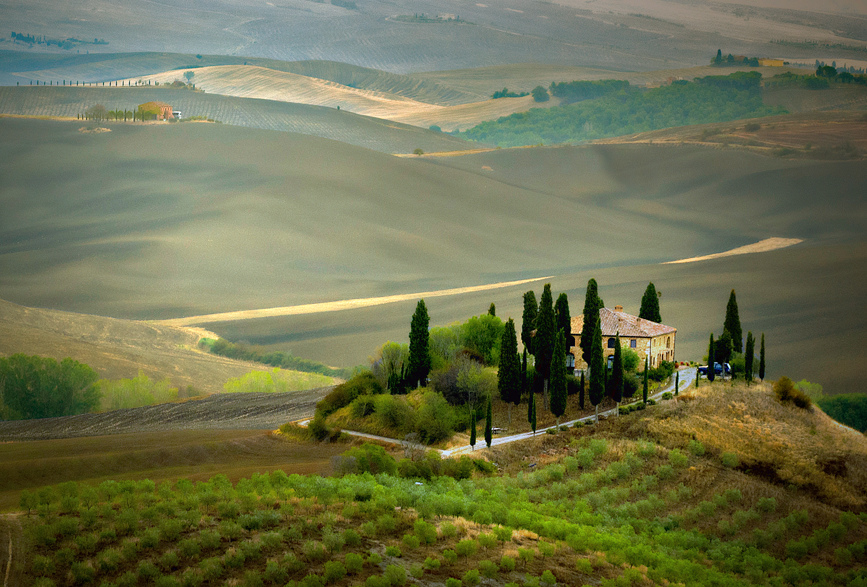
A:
{"points": [[632, 500], [346, 127]]}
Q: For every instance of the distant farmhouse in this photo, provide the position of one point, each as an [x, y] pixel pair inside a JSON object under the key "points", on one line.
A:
{"points": [[648, 339], [158, 110]]}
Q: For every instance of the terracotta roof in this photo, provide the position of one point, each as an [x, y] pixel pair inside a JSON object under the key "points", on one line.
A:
{"points": [[629, 326]]}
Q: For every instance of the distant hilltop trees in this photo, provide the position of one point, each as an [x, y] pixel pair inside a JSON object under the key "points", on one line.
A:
{"points": [[67, 43]]}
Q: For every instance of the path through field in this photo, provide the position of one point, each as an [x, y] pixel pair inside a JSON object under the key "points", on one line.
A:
{"points": [[221, 411], [763, 246], [335, 306], [11, 555]]}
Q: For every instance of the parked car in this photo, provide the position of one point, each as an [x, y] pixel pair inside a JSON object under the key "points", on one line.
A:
{"points": [[718, 369]]}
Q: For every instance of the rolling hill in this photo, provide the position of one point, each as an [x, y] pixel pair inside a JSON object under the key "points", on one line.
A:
{"points": [[308, 220]]}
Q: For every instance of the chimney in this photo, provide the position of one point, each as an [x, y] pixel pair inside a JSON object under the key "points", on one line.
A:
{"points": [[618, 308]]}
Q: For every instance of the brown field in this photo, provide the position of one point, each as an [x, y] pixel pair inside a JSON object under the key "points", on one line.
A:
{"points": [[164, 455]]}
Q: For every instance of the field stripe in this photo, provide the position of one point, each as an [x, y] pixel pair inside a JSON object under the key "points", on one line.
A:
{"points": [[763, 246], [335, 306]]}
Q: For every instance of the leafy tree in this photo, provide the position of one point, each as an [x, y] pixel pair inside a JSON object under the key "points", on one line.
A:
{"points": [[762, 359], [492, 310], [509, 375], [189, 75], [644, 388], [732, 323], [528, 320], [473, 428], [616, 384], [597, 367], [41, 387], [489, 425], [849, 409], [558, 378], [723, 348], [563, 320], [418, 362], [482, 335], [748, 357], [540, 94], [650, 304], [592, 304], [711, 359], [389, 365], [543, 342], [531, 410]]}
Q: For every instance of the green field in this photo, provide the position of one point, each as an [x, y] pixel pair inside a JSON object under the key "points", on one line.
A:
{"points": [[263, 219]]}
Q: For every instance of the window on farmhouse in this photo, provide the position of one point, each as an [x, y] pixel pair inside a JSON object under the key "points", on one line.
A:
{"points": [[611, 343], [633, 343]]}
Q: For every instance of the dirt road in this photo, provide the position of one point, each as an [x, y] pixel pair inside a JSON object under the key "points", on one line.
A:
{"points": [[11, 553], [235, 411]]}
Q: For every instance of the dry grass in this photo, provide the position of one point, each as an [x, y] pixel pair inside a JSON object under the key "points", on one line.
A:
{"points": [[780, 443]]}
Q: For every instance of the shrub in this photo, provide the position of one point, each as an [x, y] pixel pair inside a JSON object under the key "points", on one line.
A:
{"points": [[393, 412], [730, 459], [169, 561], [411, 541], [448, 530], [467, 547], [425, 531], [488, 569], [450, 556], [432, 564], [787, 392], [548, 578], [767, 504], [354, 563], [395, 575], [696, 448], [147, 571], [507, 564], [364, 383], [351, 537], [667, 395], [393, 551], [274, 573], [452, 582], [334, 572], [82, 572], [677, 458]]}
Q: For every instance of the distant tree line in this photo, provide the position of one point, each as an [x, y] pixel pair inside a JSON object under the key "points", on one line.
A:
{"points": [[630, 110], [41, 387], [279, 359], [67, 43], [578, 91], [823, 78]]}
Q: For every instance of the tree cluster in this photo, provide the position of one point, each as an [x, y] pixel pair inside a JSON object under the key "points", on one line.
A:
{"points": [[41, 387]]}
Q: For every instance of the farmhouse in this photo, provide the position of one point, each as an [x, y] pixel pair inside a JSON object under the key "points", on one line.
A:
{"points": [[648, 339], [160, 110]]}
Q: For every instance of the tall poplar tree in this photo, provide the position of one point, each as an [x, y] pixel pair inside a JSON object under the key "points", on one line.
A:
{"points": [[543, 342], [528, 320], [645, 385], [418, 363], [558, 378], [676, 382], [748, 357], [473, 427], [531, 410], [762, 359], [650, 304], [489, 425], [616, 385], [597, 366], [711, 359], [509, 381], [732, 323], [563, 320], [592, 304]]}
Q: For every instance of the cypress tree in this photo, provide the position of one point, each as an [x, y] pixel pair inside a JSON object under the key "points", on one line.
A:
{"points": [[748, 357], [418, 365], [543, 342], [558, 378], [616, 384], [563, 320], [711, 359], [581, 396], [492, 310], [762, 359], [650, 304], [732, 323], [473, 427], [524, 371], [531, 410], [645, 386], [676, 382], [528, 320], [592, 304], [489, 425], [597, 382], [509, 380]]}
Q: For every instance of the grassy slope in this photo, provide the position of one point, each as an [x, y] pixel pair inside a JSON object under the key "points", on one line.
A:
{"points": [[387, 225], [380, 135]]}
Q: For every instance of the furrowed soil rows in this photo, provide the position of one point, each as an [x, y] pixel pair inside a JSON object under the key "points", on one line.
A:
{"points": [[240, 411]]}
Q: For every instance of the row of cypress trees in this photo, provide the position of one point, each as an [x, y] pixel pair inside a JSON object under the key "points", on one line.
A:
{"points": [[730, 341]]}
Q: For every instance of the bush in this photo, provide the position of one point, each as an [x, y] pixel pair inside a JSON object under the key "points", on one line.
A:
{"points": [[696, 448], [436, 418], [677, 458], [432, 564], [426, 532], [507, 564], [450, 556], [395, 575], [393, 551], [364, 383], [467, 547], [730, 460], [334, 572], [787, 392], [393, 412], [354, 563], [452, 582]]}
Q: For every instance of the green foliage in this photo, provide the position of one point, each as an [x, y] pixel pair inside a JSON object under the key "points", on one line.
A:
{"points": [[40, 387], [509, 381], [732, 324], [557, 385], [597, 365], [275, 381], [364, 383], [540, 94], [544, 340], [393, 412], [472, 578], [274, 358], [467, 547], [395, 575], [787, 392], [677, 458], [436, 418], [483, 335], [730, 459], [749, 355], [650, 305], [849, 409], [616, 386], [419, 362], [136, 392], [571, 92], [372, 458], [488, 425], [627, 110], [696, 448]]}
